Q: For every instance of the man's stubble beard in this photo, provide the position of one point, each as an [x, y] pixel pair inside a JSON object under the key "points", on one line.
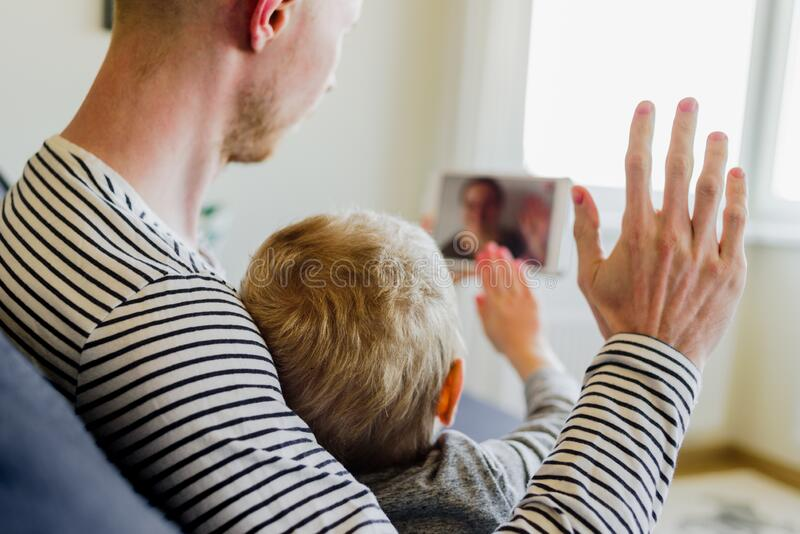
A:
{"points": [[255, 130]]}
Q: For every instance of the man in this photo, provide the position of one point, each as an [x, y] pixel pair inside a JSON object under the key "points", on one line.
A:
{"points": [[102, 285], [482, 200], [534, 225]]}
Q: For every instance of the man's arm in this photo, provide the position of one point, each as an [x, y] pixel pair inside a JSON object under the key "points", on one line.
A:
{"points": [[615, 457], [669, 278], [180, 391]]}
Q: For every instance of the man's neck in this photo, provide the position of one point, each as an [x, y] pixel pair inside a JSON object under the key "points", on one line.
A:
{"points": [[162, 131]]}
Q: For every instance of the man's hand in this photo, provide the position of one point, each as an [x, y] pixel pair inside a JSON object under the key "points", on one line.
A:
{"points": [[669, 276], [510, 314]]}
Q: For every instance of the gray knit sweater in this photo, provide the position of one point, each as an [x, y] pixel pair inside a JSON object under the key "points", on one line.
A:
{"points": [[465, 486]]}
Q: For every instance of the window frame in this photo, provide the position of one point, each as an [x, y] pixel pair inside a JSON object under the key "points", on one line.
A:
{"points": [[768, 68], [611, 199], [774, 221], [484, 119]]}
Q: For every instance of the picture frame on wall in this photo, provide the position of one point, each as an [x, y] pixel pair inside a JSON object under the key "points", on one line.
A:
{"points": [[108, 14]]}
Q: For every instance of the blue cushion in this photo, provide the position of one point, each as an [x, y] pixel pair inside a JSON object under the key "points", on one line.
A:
{"points": [[482, 421], [53, 478]]}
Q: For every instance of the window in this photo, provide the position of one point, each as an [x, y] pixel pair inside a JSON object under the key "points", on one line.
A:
{"points": [[591, 62], [786, 170]]}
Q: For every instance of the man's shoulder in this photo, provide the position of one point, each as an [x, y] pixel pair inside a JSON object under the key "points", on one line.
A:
{"points": [[71, 253], [74, 207], [201, 288]]}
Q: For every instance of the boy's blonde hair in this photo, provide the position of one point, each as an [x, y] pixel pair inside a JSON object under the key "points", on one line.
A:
{"points": [[359, 314]]}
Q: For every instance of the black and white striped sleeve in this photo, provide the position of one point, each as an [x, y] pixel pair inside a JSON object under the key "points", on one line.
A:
{"points": [[180, 390], [613, 463]]}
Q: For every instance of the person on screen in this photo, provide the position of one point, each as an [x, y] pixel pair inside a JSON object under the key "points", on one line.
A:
{"points": [[482, 201], [534, 226]]}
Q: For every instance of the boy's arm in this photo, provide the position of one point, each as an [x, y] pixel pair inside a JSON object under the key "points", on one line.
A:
{"points": [[510, 316], [550, 396]]}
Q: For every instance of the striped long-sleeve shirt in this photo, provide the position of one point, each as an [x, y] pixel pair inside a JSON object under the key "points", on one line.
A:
{"points": [[614, 460], [168, 371]]}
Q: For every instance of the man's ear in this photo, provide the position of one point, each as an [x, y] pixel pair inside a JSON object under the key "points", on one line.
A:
{"points": [[267, 20], [451, 393]]}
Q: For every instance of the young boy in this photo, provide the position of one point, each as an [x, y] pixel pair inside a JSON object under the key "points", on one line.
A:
{"points": [[359, 313]]}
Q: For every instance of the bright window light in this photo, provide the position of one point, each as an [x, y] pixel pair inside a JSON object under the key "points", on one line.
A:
{"points": [[591, 62], [786, 172]]}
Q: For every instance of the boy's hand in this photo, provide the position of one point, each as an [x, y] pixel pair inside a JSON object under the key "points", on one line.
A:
{"points": [[510, 314]]}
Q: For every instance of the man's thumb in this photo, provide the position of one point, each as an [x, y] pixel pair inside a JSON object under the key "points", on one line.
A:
{"points": [[587, 229]]}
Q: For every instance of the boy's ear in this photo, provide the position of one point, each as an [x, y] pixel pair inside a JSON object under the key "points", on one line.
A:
{"points": [[267, 20], [451, 393]]}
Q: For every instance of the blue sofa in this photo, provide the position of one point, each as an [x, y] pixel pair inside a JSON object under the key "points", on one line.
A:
{"points": [[53, 478]]}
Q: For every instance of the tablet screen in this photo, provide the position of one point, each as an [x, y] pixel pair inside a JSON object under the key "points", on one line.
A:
{"points": [[513, 212]]}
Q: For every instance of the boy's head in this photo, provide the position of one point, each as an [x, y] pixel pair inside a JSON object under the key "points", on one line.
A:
{"points": [[359, 314]]}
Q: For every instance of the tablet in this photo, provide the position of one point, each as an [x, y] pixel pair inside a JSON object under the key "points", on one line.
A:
{"points": [[526, 214]]}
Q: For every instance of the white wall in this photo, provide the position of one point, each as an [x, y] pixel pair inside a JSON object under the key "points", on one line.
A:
{"points": [[372, 143], [49, 54], [765, 407]]}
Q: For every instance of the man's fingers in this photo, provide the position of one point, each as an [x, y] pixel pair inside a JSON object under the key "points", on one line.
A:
{"points": [[680, 162], [639, 162], [587, 234], [709, 189], [734, 218]]}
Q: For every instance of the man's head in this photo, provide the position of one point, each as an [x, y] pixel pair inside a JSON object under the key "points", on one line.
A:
{"points": [[359, 314], [276, 57], [482, 201]]}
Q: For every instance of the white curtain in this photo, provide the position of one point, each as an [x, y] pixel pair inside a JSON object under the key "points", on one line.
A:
{"points": [[483, 117]]}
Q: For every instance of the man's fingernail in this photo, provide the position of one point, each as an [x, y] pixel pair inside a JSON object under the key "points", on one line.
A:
{"points": [[688, 105], [718, 136], [644, 108], [738, 173], [577, 196]]}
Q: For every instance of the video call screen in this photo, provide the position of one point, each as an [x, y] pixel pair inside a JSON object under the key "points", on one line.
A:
{"points": [[513, 212]]}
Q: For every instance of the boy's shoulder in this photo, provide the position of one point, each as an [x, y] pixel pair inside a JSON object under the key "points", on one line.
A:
{"points": [[454, 488]]}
